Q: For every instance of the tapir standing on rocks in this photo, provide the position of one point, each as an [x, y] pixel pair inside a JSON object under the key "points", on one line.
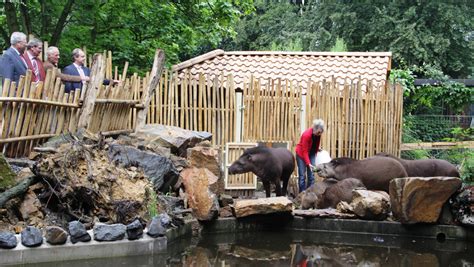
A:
{"points": [[271, 165]]}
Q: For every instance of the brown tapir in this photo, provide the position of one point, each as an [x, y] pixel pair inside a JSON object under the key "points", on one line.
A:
{"points": [[425, 167], [375, 172], [271, 165], [328, 193]]}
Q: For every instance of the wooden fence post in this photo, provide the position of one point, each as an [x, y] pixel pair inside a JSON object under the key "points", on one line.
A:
{"points": [[97, 75], [155, 76]]}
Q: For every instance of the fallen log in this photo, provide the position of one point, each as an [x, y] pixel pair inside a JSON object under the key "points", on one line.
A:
{"points": [[17, 190]]}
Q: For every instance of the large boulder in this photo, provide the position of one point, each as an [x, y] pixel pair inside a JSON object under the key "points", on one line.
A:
{"points": [[247, 207], [7, 176], [200, 185], [205, 156], [420, 199], [159, 170], [175, 138], [370, 205]]}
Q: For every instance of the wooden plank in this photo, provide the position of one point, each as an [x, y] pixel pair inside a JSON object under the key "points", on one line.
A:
{"points": [[436, 145], [155, 77], [97, 76]]}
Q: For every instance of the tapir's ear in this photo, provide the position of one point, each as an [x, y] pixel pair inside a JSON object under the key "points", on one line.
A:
{"points": [[249, 157]]}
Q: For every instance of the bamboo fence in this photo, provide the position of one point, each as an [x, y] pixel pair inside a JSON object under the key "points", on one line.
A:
{"points": [[30, 113], [203, 104], [359, 123]]}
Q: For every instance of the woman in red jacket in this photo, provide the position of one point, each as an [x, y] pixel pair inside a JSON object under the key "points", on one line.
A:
{"points": [[306, 151]]}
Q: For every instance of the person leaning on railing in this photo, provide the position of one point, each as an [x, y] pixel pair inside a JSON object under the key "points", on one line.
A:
{"points": [[52, 54]]}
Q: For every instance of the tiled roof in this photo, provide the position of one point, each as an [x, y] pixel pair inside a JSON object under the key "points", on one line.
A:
{"points": [[295, 66]]}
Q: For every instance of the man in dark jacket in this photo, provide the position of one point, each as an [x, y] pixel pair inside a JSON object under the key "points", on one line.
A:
{"points": [[12, 65]]}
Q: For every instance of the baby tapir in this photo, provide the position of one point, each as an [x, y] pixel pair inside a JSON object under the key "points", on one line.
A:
{"points": [[271, 165]]}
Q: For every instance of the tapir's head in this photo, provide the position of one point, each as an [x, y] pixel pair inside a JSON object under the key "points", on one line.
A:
{"points": [[333, 168], [246, 163]]}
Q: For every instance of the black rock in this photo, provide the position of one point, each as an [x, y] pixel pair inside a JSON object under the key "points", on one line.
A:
{"points": [[156, 229], [109, 232], [7, 240], [135, 230], [165, 219], [162, 177], [55, 235], [31, 237], [78, 232]]}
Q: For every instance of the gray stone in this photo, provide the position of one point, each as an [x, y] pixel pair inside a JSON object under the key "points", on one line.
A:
{"points": [[165, 219], [175, 138], [78, 232], [134, 230], [55, 235], [7, 240], [31, 237], [156, 229], [159, 170], [109, 232]]}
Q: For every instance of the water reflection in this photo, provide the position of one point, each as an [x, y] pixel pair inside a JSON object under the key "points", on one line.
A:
{"points": [[296, 249]]}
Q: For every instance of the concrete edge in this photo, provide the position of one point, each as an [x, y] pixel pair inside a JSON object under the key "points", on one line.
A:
{"points": [[92, 249]]}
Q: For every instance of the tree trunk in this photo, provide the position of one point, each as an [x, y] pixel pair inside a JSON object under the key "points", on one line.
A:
{"points": [[5, 37], [61, 23], [12, 21], [44, 19], [26, 17]]}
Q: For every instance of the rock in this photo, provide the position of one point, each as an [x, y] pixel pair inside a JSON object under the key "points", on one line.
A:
{"points": [[462, 205], [420, 199], [370, 205], [23, 174], [30, 207], [205, 157], [7, 240], [323, 213], [225, 200], [175, 138], [55, 235], [31, 237], [109, 232], [78, 232], [156, 229], [200, 185], [165, 219], [159, 170], [226, 212], [135, 230], [7, 176], [247, 207]]}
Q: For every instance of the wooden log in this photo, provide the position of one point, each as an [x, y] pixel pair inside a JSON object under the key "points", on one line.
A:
{"points": [[155, 76], [98, 69], [17, 190]]}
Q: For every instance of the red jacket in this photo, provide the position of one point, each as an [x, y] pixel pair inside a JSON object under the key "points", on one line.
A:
{"points": [[42, 73], [305, 144]]}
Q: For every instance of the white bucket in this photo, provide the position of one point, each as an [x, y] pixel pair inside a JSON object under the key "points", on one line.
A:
{"points": [[322, 157]]}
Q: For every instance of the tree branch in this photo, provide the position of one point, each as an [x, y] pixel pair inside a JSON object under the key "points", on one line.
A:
{"points": [[61, 23]]}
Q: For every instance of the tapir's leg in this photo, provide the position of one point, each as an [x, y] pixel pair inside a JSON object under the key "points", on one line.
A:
{"points": [[278, 187], [285, 177], [266, 185]]}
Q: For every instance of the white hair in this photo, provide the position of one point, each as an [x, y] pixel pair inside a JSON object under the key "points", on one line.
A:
{"points": [[51, 50], [318, 124], [34, 43], [17, 37]]}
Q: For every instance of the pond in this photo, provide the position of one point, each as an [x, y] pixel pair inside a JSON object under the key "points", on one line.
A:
{"points": [[296, 248]]}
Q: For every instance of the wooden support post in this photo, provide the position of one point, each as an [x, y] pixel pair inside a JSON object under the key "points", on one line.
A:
{"points": [[97, 78], [155, 76]]}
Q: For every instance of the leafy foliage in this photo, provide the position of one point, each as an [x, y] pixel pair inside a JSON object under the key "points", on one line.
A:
{"points": [[132, 29]]}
